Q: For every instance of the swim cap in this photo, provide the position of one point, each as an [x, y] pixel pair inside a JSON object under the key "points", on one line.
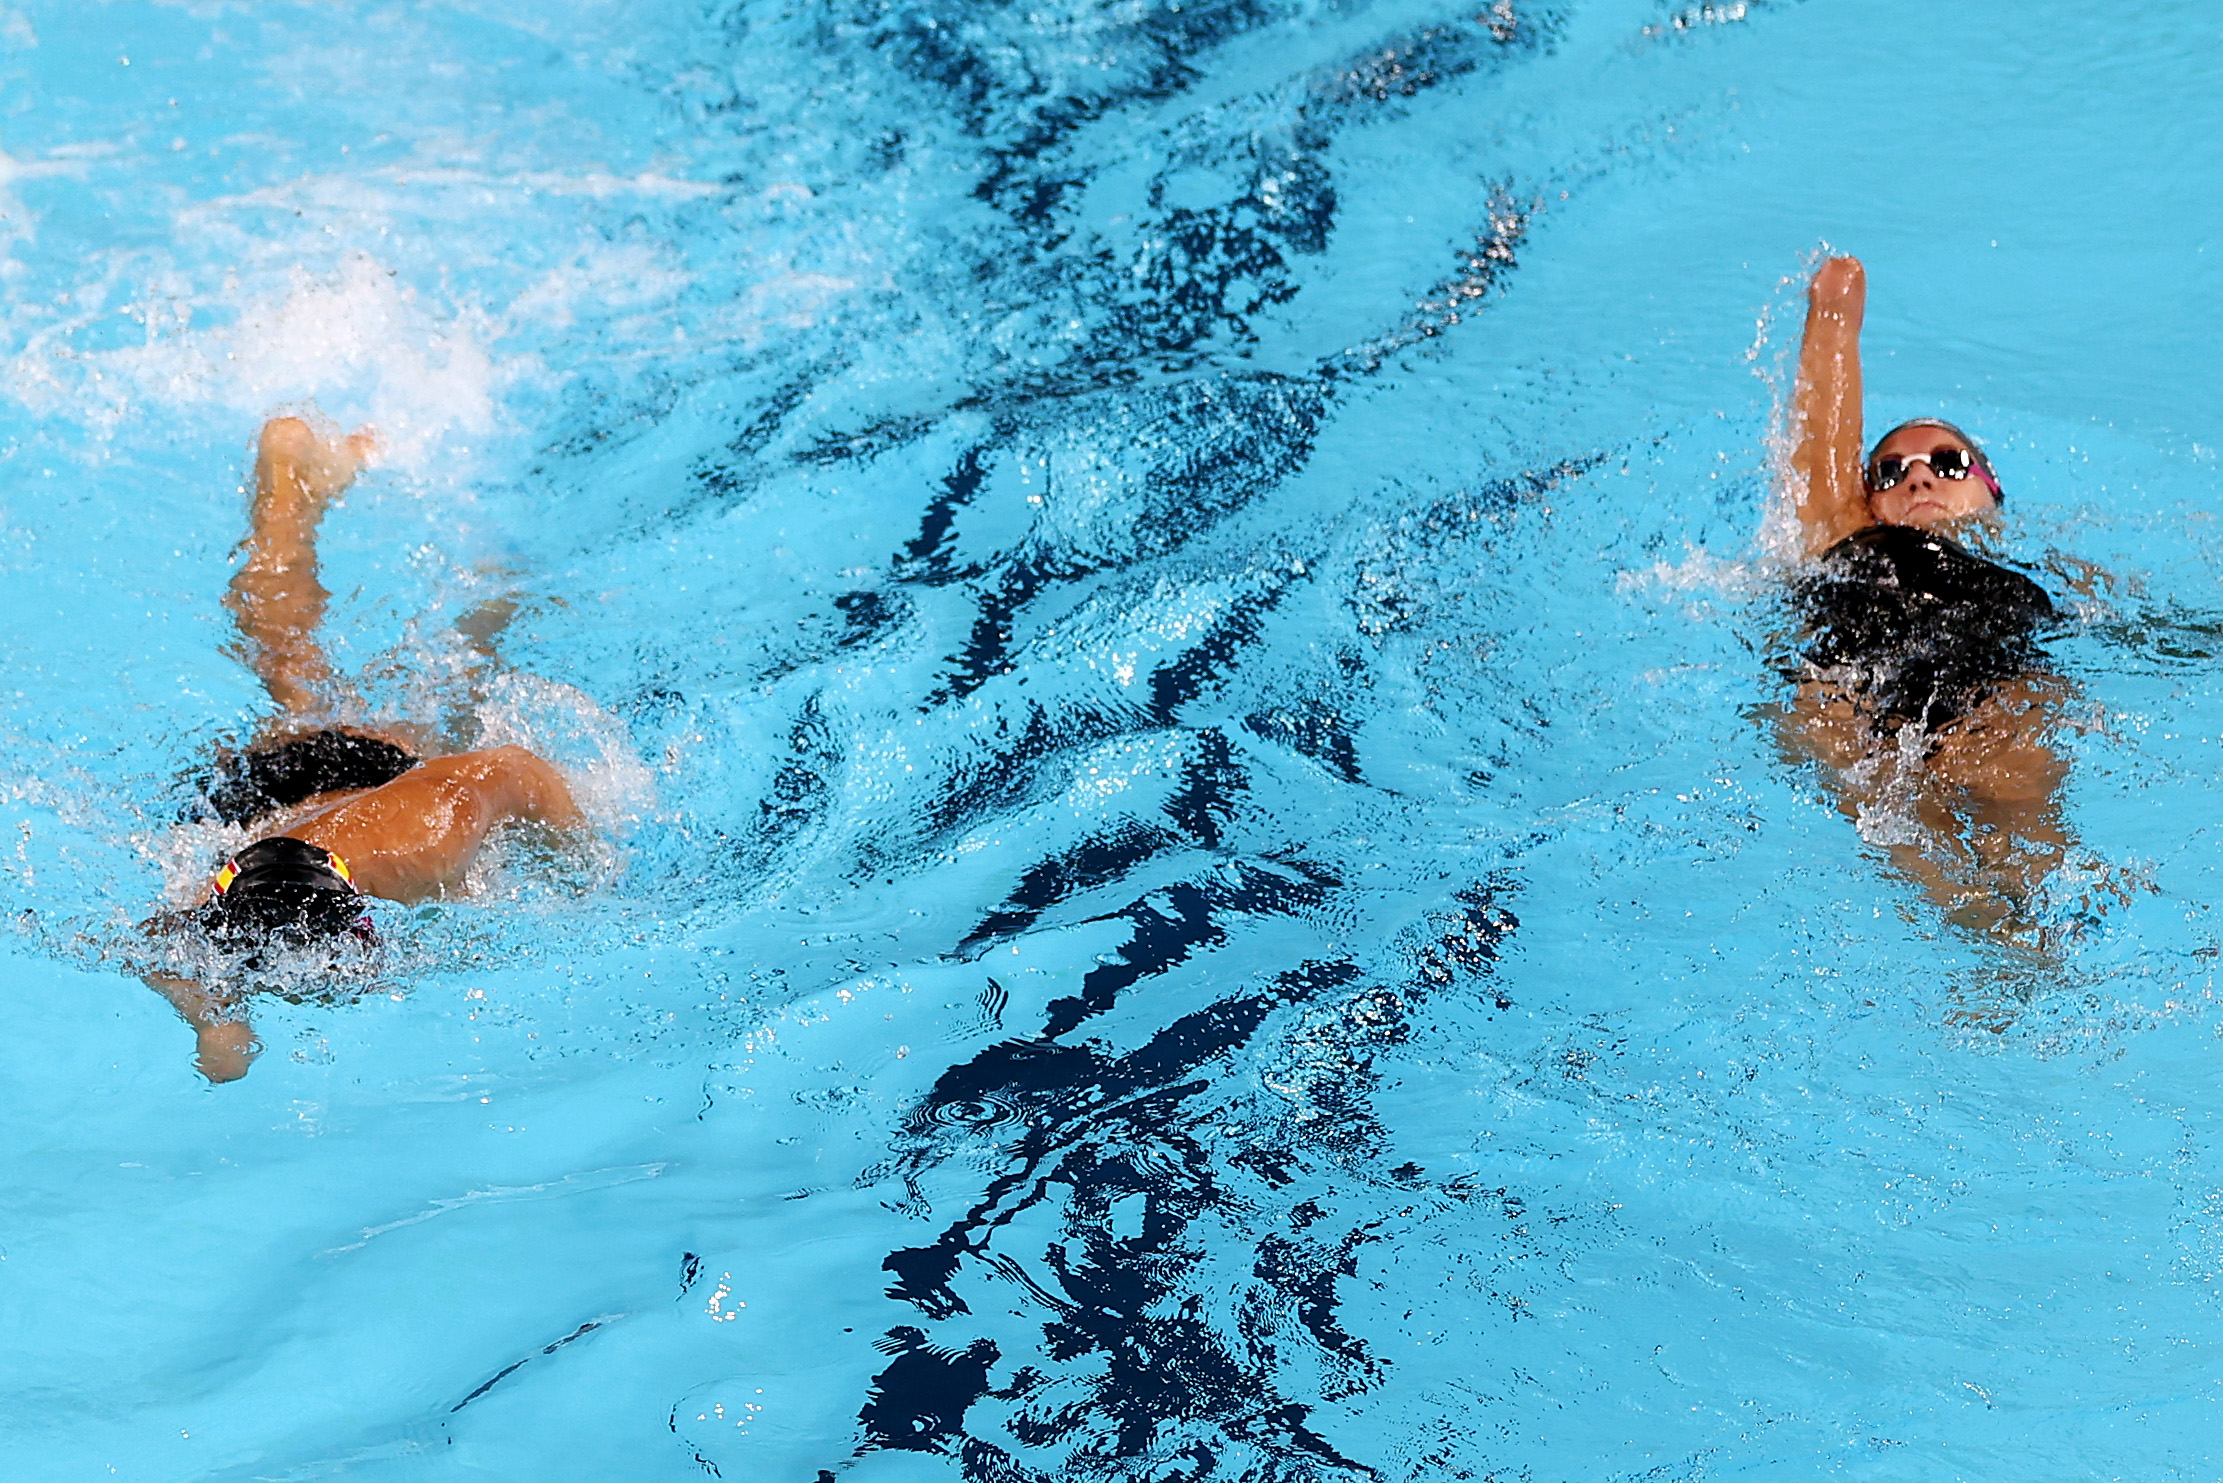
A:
{"points": [[1984, 470], [284, 888]]}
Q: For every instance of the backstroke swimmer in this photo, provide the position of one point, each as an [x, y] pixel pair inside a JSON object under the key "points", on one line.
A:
{"points": [[1922, 687], [337, 813]]}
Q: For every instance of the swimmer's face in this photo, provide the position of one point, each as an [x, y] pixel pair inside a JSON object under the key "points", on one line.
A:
{"points": [[1922, 498]]}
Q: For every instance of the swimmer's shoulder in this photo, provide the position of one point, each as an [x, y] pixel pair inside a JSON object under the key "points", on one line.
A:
{"points": [[1930, 566]]}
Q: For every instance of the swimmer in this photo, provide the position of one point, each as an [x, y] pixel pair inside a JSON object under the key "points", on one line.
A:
{"points": [[338, 814], [1922, 686]]}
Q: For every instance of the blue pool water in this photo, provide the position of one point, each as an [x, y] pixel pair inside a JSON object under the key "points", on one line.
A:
{"points": [[1163, 611]]}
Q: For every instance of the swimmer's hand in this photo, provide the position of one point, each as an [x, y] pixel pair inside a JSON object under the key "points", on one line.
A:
{"points": [[295, 461], [223, 1052], [1839, 290], [224, 1043]]}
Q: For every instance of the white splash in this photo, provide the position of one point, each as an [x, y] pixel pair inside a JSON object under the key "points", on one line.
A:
{"points": [[1888, 785], [356, 342], [593, 747], [1698, 576]]}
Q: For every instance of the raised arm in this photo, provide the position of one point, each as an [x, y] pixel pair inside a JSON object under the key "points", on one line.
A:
{"points": [[1825, 409]]}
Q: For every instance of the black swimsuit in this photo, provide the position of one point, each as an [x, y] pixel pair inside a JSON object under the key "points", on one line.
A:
{"points": [[271, 778], [1920, 628]]}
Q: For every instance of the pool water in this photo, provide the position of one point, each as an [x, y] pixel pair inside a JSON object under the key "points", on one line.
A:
{"points": [[1165, 614]]}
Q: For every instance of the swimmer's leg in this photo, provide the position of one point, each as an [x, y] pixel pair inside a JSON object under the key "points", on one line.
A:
{"points": [[2008, 776], [1984, 796], [275, 597]]}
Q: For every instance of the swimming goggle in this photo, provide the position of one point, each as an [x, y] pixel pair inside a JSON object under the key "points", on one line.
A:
{"points": [[1945, 463]]}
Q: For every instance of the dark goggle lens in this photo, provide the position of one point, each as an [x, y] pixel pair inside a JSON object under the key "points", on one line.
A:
{"points": [[1952, 463], [1946, 463]]}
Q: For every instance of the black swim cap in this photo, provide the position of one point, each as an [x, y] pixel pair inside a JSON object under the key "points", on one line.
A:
{"points": [[286, 889]]}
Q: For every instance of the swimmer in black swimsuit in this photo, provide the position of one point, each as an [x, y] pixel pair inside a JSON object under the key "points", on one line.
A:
{"points": [[1922, 684], [339, 814], [1916, 628]]}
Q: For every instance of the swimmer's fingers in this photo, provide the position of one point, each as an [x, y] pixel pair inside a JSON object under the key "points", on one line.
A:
{"points": [[1840, 286], [364, 447]]}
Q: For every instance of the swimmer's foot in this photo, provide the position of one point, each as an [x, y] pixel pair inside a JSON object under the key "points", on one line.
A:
{"points": [[295, 461]]}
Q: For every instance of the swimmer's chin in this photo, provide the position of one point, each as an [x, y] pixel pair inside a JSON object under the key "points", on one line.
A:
{"points": [[1942, 520]]}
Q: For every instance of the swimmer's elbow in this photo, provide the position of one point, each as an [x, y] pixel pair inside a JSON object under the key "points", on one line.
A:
{"points": [[555, 806], [538, 788]]}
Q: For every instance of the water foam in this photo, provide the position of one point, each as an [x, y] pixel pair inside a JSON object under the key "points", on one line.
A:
{"points": [[563, 723], [358, 342]]}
